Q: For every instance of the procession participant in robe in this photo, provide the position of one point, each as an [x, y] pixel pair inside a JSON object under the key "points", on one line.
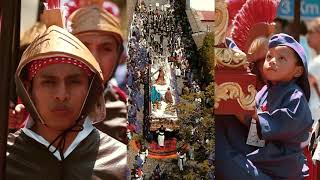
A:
{"points": [[161, 136]]}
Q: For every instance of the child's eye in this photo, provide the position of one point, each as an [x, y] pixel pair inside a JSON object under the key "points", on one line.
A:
{"points": [[282, 58], [269, 56]]}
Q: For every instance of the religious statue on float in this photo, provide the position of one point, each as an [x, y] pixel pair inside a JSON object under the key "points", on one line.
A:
{"points": [[155, 98], [160, 80], [168, 98]]}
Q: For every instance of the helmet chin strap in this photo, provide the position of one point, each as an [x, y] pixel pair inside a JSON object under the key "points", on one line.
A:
{"points": [[85, 100], [27, 100]]}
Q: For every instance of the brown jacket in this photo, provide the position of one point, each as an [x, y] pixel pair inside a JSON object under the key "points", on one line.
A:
{"points": [[98, 157]]}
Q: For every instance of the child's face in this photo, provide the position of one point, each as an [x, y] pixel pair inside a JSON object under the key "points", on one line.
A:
{"points": [[280, 65]]}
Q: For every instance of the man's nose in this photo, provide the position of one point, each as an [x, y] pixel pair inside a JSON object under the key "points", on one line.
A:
{"points": [[94, 50], [62, 93]]}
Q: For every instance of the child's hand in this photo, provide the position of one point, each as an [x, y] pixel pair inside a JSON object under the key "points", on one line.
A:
{"points": [[241, 118], [255, 115]]}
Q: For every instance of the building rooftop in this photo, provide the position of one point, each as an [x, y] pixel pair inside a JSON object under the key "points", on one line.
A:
{"points": [[200, 22], [206, 15]]}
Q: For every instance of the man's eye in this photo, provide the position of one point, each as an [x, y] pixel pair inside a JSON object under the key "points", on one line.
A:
{"points": [[48, 82], [107, 49], [75, 81]]}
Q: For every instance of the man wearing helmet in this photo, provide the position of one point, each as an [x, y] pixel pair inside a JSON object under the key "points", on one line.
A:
{"points": [[61, 85], [100, 31]]}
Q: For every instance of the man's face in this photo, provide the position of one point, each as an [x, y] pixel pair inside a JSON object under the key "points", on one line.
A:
{"points": [[58, 92], [280, 65], [313, 39], [104, 48], [279, 27]]}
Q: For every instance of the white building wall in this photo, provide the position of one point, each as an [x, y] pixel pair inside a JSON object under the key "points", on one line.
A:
{"points": [[201, 5]]}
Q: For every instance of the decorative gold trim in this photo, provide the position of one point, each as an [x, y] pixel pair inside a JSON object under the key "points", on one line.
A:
{"points": [[220, 22], [230, 57], [233, 91]]}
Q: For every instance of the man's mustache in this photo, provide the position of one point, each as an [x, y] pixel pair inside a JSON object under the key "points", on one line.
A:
{"points": [[61, 106]]}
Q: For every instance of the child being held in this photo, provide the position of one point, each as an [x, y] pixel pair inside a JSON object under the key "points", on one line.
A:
{"points": [[283, 118]]}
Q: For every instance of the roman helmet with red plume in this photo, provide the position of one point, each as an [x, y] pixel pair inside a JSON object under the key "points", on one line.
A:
{"points": [[109, 6], [233, 8], [254, 19], [52, 15]]}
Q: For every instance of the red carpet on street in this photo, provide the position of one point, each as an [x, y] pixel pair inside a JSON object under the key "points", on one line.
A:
{"points": [[155, 151]]}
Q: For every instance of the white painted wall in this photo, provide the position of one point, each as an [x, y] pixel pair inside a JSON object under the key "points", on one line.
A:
{"points": [[29, 10], [202, 5]]}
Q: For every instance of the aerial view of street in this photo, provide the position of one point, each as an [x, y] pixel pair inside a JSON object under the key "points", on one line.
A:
{"points": [[171, 127]]}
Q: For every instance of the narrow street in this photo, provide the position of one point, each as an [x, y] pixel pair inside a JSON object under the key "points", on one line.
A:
{"points": [[160, 47]]}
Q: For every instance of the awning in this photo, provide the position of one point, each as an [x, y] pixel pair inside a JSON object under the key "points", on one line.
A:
{"points": [[309, 9]]}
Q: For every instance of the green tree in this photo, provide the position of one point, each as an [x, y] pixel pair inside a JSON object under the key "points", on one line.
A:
{"points": [[203, 139], [207, 56]]}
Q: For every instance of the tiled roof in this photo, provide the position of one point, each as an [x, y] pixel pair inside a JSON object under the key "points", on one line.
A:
{"points": [[206, 15]]}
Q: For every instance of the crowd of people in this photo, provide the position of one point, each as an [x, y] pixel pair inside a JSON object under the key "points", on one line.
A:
{"points": [[159, 37]]}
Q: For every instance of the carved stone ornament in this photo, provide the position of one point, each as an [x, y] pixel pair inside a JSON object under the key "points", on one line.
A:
{"points": [[233, 91]]}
